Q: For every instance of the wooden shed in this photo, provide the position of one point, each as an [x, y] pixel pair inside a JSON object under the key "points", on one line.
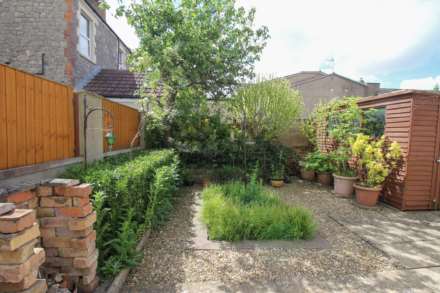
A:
{"points": [[412, 119]]}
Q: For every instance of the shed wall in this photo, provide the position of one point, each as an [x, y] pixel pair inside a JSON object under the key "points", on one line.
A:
{"points": [[421, 172]]}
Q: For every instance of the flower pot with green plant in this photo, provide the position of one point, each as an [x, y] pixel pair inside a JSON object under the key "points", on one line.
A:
{"points": [[344, 175], [278, 171], [322, 165], [307, 168], [375, 161]]}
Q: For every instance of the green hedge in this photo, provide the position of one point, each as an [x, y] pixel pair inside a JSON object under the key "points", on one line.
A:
{"points": [[131, 193], [237, 211]]}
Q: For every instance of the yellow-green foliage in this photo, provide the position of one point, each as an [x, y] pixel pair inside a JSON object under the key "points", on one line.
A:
{"points": [[374, 161], [236, 211]]}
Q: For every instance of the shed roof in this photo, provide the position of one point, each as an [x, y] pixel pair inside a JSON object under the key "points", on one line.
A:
{"points": [[113, 83], [398, 93]]}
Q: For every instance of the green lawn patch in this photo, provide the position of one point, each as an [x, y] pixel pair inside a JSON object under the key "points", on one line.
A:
{"points": [[237, 211]]}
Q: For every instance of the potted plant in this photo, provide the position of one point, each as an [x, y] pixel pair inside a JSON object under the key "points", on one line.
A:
{"points": [[344, 175], [323, 168], [278, 171], [375, 160], [307, 168]]}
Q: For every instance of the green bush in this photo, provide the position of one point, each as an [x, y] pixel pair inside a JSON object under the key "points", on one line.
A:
{"points": [[236, 211], [131, 193]]}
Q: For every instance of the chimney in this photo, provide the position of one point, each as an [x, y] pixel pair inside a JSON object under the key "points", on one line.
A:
{"points": [[373, 88]]}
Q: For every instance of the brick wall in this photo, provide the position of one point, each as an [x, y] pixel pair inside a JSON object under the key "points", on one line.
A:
{"points": [[30, 28], [66, 217]]}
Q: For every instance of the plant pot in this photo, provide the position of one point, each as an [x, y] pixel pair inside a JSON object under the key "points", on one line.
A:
{"points": [[344, 185], [205, 182], [307, 175], [277, 183], [367, 196], [325, 178]]}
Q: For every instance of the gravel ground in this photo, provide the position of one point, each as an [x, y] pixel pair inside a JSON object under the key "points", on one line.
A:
{"points": [[169, 260]]}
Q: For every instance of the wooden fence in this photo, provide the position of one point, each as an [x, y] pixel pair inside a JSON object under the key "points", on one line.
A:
{"points": [[126, 123], [36, 119]]}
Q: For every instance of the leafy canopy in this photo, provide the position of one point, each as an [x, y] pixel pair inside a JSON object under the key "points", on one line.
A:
{"points": [[266, 108], [206, 45]]}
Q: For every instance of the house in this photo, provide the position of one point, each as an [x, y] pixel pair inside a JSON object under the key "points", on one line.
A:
{"points": [[317, 86], [68, 41]]}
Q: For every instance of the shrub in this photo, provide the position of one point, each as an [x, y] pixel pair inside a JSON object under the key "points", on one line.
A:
{"points": [[375, 159], [129, 196], [319, 162], [236, 211]]}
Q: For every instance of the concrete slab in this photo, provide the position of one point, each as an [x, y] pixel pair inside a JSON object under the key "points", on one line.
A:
{"points": [[200, 239], [415, 254]]}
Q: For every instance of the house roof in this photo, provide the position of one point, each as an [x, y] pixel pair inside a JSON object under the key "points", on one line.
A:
{"points": [[112, 83]]}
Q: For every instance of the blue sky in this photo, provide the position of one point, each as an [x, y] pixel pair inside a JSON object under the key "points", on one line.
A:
{"points": [[395, 42]]}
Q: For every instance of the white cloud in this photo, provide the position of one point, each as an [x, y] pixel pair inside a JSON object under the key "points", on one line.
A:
{"points": [[360, 35], [426, 83]]}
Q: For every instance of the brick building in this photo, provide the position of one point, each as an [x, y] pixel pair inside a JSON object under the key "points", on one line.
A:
{"points": [[68, 41]]}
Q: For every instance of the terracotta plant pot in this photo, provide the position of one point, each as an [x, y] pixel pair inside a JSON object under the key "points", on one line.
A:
{"points": [[344, 185], [307, 175], [325, 178], [367, 196], [277, 183]]}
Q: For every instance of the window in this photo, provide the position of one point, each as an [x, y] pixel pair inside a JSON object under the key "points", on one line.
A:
{"points": [[122, 59], [85, 46], [374, 122]]}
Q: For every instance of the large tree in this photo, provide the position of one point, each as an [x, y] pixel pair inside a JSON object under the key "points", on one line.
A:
{"points": [[208, 46]]}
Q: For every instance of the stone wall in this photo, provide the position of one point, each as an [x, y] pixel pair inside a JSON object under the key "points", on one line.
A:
{"points": [[66, 217], [30, 28]]}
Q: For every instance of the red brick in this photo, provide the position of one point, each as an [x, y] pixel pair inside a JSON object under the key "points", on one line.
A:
{"points": [[17, 221], [19, 255], [80, 201], [51, 251], [85, 262], [33, 203], [53, 222], [73, 234], [55, 202], [89, 273], [82, 223], [44, 190], [84, 243], [11, 242], [47, 232], [20, 197], [24, 284], [75, 252], [39, 287], [57, 242], [45, 212], [16, 273], [75, 212], [83, 190], [56, 261]]}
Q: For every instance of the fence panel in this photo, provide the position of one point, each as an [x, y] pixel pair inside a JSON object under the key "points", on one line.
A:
{"points": [[125, 124], [36, 119]]}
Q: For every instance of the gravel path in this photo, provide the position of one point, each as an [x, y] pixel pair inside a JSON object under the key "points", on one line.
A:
{"points": [[169, 259]]}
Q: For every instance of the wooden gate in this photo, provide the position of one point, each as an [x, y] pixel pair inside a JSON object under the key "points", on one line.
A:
{"points": [[36, 119], [125, 125]]}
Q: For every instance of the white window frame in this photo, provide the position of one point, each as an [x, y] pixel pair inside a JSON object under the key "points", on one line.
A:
{"points": [[84, 11], [87, 37], [122, 64]]}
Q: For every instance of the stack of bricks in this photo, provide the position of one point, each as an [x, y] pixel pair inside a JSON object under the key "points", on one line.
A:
{"points": [[66, 218], [19, 258], [26, 199], [324, 142]]}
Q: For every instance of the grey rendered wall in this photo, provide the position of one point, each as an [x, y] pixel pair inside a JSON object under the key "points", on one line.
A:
{"points": [[29, 28]]}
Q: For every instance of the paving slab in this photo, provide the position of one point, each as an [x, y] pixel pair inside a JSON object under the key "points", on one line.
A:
{"points": [[200, 239]]}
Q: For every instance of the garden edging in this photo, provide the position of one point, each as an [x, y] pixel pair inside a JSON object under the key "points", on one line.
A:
{"points": [[120, 279]]}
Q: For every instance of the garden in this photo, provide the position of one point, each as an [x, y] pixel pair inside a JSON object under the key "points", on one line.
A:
{"points": [[212, 133]]}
